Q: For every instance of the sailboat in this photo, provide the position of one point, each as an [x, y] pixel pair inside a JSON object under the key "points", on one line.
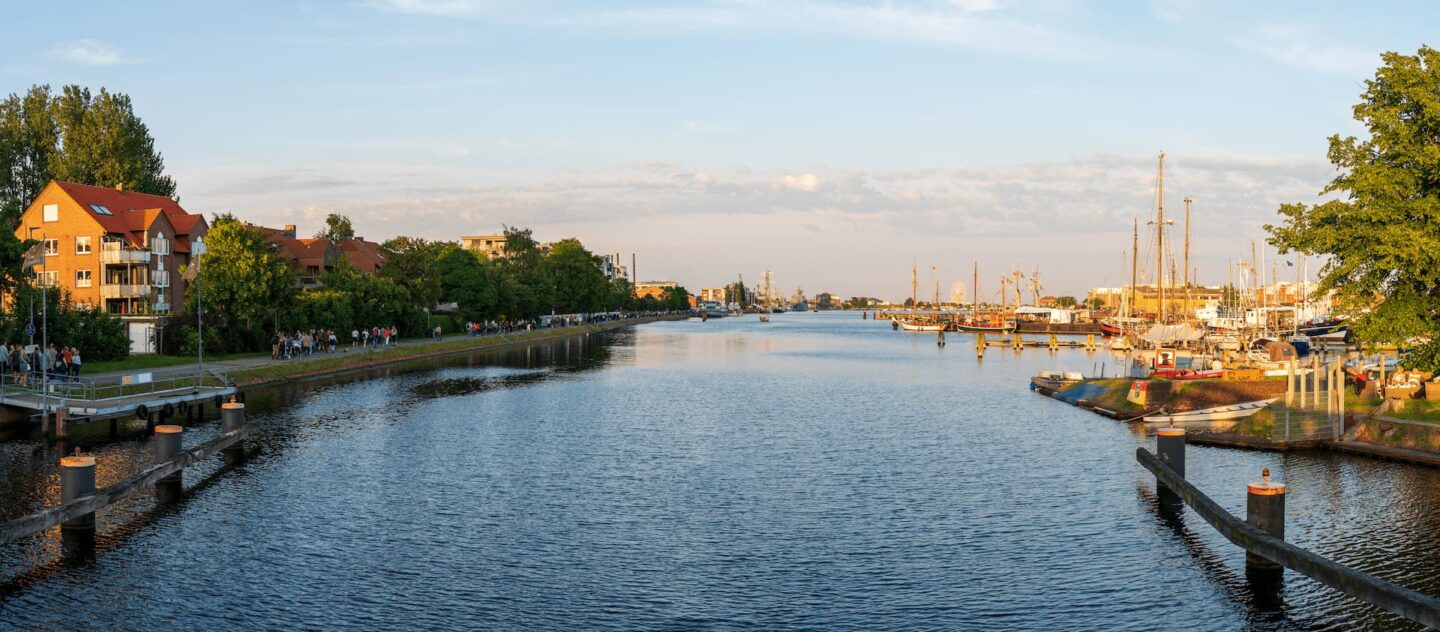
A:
{"points": [[912, 323], [990, 323]]}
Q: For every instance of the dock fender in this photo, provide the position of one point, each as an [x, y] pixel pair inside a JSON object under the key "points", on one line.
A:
{"points": [[168, 411], [219, 401], [183, 408], [143, 412]]}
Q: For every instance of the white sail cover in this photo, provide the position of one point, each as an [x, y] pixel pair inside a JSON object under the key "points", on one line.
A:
{"points": [[1172, 333]]}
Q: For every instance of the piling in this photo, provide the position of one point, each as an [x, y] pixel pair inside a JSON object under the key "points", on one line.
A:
{"points": [[1054, 343], [77, 478], [1170, 447], [1089, 342], [61, 416], [1017, 341], [1265, 510], [167, 448], [232, 417], [980, 345]]}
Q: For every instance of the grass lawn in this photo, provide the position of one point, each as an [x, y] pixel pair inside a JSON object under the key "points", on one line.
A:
{"points": [[1419, 410], [146, 362]]}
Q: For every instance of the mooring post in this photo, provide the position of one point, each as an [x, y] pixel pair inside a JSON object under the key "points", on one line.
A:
{"points": [[1170, 447], [167, 448], [77, 478], [232, 417], [980, 345], [61, 416], [1054, 343], [1315, 380], [1265, 510], [1017, 340], [1289, 382]]}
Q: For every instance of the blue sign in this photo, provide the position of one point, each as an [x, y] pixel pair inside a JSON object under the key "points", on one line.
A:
{"points": [[30, 330]]}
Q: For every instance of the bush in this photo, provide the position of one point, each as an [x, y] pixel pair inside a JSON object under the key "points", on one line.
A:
{"points": [[1425, 357]]}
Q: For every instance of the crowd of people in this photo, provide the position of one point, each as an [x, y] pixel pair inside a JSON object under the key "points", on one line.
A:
{"points": [[23, 364], [284, 346]]}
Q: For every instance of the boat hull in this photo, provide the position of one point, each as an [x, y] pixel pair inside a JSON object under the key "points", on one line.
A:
{"points": [[1219, 413]]}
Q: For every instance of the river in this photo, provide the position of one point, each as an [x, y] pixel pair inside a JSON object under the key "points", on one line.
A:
{"points": [[817, 472]]}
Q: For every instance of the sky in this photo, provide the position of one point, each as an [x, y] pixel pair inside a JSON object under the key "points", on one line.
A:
{"points": [[833, 142]]}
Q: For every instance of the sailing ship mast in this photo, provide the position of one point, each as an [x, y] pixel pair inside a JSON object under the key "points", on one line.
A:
{"points": [[936, 305], [1134, 264], [914, 288], [1160, 238], [975, 294]]}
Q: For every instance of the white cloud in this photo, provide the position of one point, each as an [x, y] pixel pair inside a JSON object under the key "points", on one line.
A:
{"points": [[1290, 46], [968, 24], [806, 182], [436, 8], [1072, 218], [88, 52]]}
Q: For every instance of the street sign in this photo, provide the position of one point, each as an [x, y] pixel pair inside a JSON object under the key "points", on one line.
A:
{"points": [[30, 330]]}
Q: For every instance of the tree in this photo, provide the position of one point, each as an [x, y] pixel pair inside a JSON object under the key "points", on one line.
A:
{"points": [[580, 286], [467, 281], [77, 137], [1066, 302], [244, 282], [1379, 235], [525, 281], [410, 263], [337, 228]]}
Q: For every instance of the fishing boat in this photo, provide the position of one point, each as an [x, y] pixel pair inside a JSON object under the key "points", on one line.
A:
{"points": [[906, 325], [1218, 413]]}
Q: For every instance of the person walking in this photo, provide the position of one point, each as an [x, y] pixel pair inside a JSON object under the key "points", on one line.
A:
{"points": [[75, 363]]}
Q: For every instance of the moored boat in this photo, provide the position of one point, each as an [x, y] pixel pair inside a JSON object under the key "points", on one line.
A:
{"points": [[1218, 413]]}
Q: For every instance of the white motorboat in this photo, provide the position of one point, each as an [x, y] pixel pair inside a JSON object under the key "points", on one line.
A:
{"points": [[1218, 413], [715, 309]]}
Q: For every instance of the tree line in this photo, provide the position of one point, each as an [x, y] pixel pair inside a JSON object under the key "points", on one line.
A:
{"points": [[247, 292]]}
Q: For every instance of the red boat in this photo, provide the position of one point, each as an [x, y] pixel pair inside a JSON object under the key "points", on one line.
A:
{"points": [[1187, 374]]}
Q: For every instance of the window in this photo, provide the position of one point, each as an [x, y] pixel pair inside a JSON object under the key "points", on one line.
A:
{"points": [[160, 246], [100, 209], [82, 245], [51, 213], [52, 247], [49, 279], [82, 278]]}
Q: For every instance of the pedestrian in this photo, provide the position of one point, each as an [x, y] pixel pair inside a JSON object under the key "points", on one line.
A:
{"points": [[75, 363], [354, 337]]}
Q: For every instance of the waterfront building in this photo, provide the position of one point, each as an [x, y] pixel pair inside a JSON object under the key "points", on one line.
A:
{"points": [[653, 288], [613, 268], [493, 246], [309, 258], [116, 250]]}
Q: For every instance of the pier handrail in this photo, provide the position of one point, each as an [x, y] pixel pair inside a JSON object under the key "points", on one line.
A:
{"points": [[39, 521], [106, 387], [1391, 597]]}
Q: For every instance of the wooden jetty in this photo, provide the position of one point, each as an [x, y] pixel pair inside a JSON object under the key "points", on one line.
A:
{"points": [[79, 500], [1262, 534]]}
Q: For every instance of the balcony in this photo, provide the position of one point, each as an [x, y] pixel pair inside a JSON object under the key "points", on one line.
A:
{"points": [[113, 253], [124, 291]]}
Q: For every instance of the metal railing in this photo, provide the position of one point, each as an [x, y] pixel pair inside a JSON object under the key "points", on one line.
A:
{"points": [[106, 387]]}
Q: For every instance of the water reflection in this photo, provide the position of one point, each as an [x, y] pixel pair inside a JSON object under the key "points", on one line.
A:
{"points": [[816, 472]]}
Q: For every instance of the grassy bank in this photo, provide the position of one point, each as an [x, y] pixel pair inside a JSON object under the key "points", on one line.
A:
{"points": [[343, 362], [147, 362]]}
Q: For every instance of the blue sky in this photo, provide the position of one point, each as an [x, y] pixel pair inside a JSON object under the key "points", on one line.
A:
{"points": [[829, 141]]}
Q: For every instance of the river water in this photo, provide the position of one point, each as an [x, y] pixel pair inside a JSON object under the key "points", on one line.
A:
{"points": [[818, 472]]}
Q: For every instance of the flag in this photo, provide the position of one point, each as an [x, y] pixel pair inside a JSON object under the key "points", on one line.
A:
{"points": [[35, 255], [191, 271]]}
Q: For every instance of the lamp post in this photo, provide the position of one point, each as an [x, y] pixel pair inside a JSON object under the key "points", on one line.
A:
{"points": [[199, 249]]}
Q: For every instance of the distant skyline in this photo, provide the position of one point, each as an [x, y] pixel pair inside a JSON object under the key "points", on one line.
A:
{"points": [[829, 141]]}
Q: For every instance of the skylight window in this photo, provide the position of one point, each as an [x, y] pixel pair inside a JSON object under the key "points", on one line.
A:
{"points": [[100, 208]]}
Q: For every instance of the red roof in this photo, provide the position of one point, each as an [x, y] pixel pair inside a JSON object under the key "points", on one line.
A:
{"points": [[301, 252], [131, 212], [366, 256]]}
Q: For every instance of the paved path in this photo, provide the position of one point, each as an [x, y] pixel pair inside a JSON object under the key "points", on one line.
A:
{"points": [[344, 351]]}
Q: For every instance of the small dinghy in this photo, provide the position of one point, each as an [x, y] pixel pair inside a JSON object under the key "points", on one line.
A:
{"points": [[1219, 413]]}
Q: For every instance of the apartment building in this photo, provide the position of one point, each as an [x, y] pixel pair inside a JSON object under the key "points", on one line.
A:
{"points": [[114, 249]]}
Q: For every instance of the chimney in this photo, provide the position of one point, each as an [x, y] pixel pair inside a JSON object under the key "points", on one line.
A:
{"points": [[290, 230]]}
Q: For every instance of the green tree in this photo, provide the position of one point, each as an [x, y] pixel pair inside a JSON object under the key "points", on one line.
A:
{"points": [[526, 288], [1066, 302], [580, 286], [467, 281], [243, 282], [410, 263], [78, 137], [1378, 234], [29, 139], [337, 228]]}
